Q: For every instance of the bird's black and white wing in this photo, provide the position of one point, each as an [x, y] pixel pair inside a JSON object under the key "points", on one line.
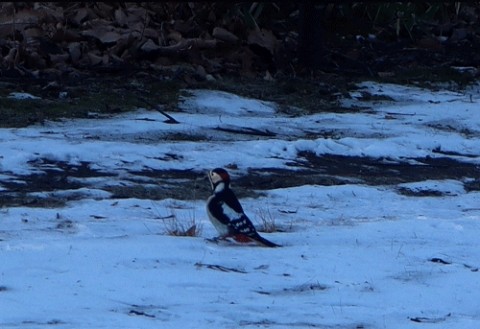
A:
{"points": [[226, 212], [223, 208]]}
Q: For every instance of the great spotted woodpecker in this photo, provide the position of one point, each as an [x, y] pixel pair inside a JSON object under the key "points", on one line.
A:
{"points": [[226, 213]]}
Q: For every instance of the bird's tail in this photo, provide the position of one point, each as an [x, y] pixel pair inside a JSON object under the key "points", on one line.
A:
{"points": [[266, 243], [257, 238]]}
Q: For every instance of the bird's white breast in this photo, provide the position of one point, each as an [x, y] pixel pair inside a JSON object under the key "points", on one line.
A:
{"points": [[221, 228]]}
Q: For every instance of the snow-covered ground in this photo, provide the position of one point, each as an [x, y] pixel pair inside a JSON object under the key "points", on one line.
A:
{"points": [[353, 255]]}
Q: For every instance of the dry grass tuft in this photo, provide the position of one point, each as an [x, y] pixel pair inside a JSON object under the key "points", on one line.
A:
{"points": [[177, 227], [267, 221]]}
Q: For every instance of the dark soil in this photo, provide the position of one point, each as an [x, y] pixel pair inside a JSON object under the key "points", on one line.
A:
{"points": [[324, 170], [95, 94]]}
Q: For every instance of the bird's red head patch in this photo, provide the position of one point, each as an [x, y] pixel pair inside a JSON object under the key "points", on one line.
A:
{"points": [[218, 175]]}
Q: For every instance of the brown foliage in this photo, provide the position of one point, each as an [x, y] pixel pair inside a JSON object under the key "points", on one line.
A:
{"points": [[63, 37], [209, 39]]}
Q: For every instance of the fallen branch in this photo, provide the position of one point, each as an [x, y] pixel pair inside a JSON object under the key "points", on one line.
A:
{"points": [[247, 131], [219, 268], [171, 120]]}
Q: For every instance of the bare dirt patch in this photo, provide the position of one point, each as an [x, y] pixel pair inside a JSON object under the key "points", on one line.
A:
{"points": [[310, 169]]}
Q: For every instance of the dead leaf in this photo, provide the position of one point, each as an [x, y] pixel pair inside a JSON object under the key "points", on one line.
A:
{"points": [[66, 35], [103, 9], [224, 35], [459, 34], [12, 57], [149, 46], [150, 33], [136, 14], [429, 43], [268, 77], [123, 44], [182, 26], [81, 15], [201, 72], [126, 55], [191, 231], [58, 58], [94, 58], [33, 59], [32, 32], [386, 74], [104, 34], [120, 17], [75, 51], [24, 16], [263, 38], [48, 14], [246, 60], [5, 30], [175, 36]]}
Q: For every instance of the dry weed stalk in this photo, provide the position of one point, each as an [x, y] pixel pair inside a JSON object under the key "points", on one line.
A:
{"points": [[268, 224], [179, 227]]}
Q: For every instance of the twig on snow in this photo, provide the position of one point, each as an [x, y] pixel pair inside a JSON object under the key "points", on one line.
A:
{"points": [[171, 120]]}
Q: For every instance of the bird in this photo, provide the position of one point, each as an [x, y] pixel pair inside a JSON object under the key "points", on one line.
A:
{"points": [[226, 213]]}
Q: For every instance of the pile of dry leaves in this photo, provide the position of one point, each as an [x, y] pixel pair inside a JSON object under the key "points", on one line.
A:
{"points": [[65, 38], [206, 40]]}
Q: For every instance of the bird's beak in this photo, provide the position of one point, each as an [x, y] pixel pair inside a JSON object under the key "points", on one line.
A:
{"points": [[210, 180]]}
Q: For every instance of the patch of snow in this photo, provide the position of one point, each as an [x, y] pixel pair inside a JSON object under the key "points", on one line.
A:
{"points": [[20, 96], [223, 103], [353, 255], [450, 187]]}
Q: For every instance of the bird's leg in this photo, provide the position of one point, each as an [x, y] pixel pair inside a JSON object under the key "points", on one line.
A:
{"points": [[219, 238]]}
